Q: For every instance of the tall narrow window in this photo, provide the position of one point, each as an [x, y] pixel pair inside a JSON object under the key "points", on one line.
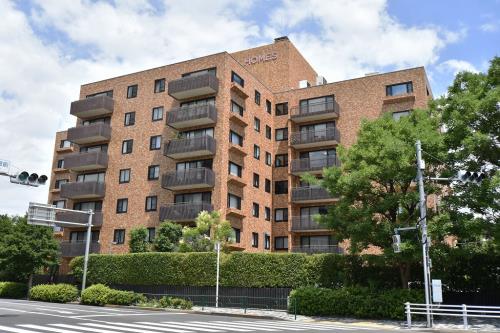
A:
{"points": [[257, 97], [255, 209], [256, 124], [237, 235], [267, 186], [132, 91], [60, 164], [127, 146], [129, 118], [159, 86], [268, 132], [267, 213], [151, 203], [269, 159], [267, 241], [256, 152], [268, 106], [255, 239], [256, 180]]}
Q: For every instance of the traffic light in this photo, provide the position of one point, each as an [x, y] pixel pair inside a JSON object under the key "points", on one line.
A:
{"points": [[24, 178], [467, 176], [396, 243]]}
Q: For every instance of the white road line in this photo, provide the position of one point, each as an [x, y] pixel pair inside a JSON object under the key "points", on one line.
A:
{"points": [[206, 324], [263, 324], [46, 328], [55, 310], [72, 307], [317, 326], [145, 313], [179, 325], [250, 325], [289, 325], [149, 328], [127, 329], [87, 329], [15, 330], [15, 310]]}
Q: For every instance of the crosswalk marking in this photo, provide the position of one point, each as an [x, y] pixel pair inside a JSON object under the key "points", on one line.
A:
{"points": [[250, 326], [266, 325], [46, 328], [149, 327], [220, 326], [302, 326], [179, 325], [80, 328], [15, 330]]}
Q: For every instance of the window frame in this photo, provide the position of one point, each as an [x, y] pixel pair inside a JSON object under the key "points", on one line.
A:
{"points": [[256, 180], [119, 205], [120, 181], [256, 152], [148, 207], [256, 124], [282, 238], [131, 146], [153, 113], [162, 86], [283, 106], [284, 136], [255, 210], [279, 158], [269, 159], [240, 138], [152, 139], [284, 213], [118, 236], [238, 200], [239, 169], [154, 166], [267, 213], [130, 116], [239, 80], [257, 97], [131, 92], [267, 185], [279, 185], [269, 106], [408, 85], [255, 239]]}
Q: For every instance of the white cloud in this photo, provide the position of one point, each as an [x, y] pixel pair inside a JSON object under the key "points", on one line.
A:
{"points": [[455, 66], [489, 26]]}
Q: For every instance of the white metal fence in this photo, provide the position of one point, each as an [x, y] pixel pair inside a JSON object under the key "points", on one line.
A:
{"points": [[464, 311]]}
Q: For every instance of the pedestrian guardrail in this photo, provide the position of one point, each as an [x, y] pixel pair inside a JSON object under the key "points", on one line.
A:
{"points": [[464, 311]]}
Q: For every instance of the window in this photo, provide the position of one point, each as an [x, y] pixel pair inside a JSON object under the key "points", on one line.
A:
{"points": [[108, 93], [121, 206], [236, 108], [91, 177], [267, 213], [281, 109], [127, 146], [129, 118], [281, 187], [236, 78], [237, 235], [81, 236], [155, 142], [317, 241], [267, 242], [281, 243], [233, 201], [151, 235], [159, 86], [256, 124], [157, 113], [212, 71], [60, 164], [281, 215], [269, 159], [234, 169], [256, 152], [257, 97], [255, 239], [256, 180], [281, 160], [268, 106], [132, 91], [59, 203], [267, 186], [194, 164], [268, 132], [198, 102], [317, 104], [255, 209], [105, 120], [397, 115], [103, 148], [151, 203], [124, 176], [197, 133], [119, 236], [281, 134], [65, 144], [193, 197], [153, 172], [399, 89], [59, 182], [235, 138], [96, 206]]}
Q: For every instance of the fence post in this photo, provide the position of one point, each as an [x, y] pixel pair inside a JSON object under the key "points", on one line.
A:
{"points": [[464, 313], [295, 307], [245, 299], [408, 314]]}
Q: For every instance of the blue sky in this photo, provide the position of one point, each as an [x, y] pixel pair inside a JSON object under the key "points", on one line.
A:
{"points": [[48, 48]]}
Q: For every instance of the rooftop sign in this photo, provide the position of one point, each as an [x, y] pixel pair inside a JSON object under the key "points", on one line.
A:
{"points": [[257, 59]]}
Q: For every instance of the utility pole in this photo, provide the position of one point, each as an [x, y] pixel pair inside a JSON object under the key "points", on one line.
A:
{"points": [[423, 223]]}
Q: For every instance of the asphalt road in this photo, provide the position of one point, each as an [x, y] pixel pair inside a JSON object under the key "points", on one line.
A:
{"points": [[17, 316]]}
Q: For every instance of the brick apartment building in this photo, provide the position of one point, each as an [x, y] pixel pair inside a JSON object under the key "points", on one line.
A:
{"points": [[231, 132]]}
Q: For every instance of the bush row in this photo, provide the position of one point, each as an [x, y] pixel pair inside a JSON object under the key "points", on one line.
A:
{"points": [[13, 290], [352, 302], [100, 294], [57, 293]]}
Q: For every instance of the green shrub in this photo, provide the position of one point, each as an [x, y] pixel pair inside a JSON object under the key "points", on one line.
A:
{"points": [[165, 302], [175, 302], [353, 302], [121, 297], [13, 290], [58, 293], [98, 294]]}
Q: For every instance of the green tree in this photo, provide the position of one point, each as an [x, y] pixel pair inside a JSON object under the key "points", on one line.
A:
{"points": [[167, 237], [375, 185], [471, 115], [138, 240], [210, 228], [25, 249]]}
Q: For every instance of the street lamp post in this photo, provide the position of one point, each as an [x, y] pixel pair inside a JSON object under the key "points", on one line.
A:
{"points": [[217, 248]]}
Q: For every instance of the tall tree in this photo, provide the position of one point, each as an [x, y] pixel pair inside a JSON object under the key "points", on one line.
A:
{"points": [[375, 184], [25, 249], [471, 117], [210, 228], [167, 237]]}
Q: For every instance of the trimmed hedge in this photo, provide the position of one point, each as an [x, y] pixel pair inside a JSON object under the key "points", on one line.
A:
{"points": [[100, 294], [56, 293], [13, 290], [353, 302]]}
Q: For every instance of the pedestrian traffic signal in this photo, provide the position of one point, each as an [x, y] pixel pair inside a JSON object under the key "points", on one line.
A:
{"points": [[467, 176], [24, 178], [396, 243]]}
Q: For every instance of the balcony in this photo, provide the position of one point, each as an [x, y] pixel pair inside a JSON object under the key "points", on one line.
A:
{"points": [[75, 249], [315, 112], [86, 161], [184, 212], [306, 223], [79, 218], [311, 139], [89, 134], [193, 86], [191, 116], [92, 107], [188, 179], [190, 148], [82, 190], [313, 166], [312, 249], [310, 194]]}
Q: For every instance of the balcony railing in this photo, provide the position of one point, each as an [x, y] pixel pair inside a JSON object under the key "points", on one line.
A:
{"points": [[315, 165], [184, 212], [192, 147], [316, 111], [92, 107], [313, 138], [82, 190], [306, 223], [193, 86], [300, 194], [86, 161], [190, 116], [188, 179], [79, 218], [90, 133], [74, 249], [312, 249]]}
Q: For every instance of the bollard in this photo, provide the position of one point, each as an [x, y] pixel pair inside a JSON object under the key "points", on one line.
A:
{"points": [[295, 307], [464, 312], [408, 315]]}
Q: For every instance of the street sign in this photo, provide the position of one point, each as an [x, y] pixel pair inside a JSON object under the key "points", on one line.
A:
{"points": [[41, 214], [437, 291], [4, 167]]}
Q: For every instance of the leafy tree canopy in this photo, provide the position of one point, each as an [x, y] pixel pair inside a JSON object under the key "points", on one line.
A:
{"points": [[167, 237], [210, 228], [138, 240]]}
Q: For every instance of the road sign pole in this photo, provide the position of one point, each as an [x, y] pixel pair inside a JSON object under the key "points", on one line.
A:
{"points": [[217, 246], [87, 249]]}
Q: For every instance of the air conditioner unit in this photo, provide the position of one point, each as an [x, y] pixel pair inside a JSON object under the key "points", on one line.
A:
{"points": [[320, 80]]}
